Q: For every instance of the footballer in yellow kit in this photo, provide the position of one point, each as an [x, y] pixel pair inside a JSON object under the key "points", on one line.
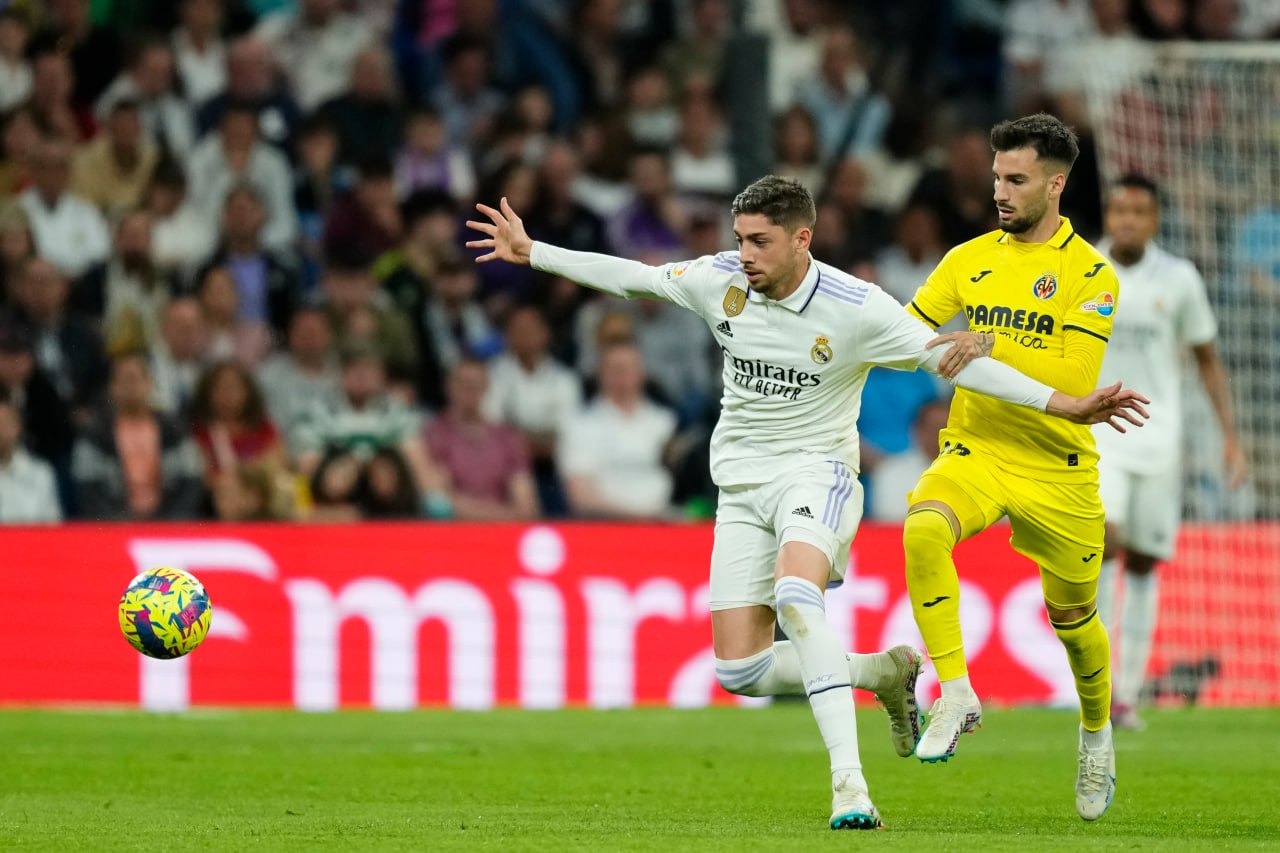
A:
{"points": [[1038, 297]]}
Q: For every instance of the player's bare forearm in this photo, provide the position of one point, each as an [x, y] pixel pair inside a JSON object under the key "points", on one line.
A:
{"points": [[505, 238], [1213, 375], [1113, 405]]}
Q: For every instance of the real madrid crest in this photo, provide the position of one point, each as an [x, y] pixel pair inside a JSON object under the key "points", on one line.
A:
{"points": [[821, 352], [735, 299]]}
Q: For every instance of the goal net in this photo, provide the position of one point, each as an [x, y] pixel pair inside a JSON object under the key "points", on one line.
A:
{"points": [[1203, 121]]}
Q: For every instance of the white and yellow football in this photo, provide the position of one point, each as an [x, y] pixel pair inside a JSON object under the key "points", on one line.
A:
{"points": [[165, 613]]}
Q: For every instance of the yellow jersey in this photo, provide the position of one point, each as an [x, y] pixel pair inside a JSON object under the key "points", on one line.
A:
{"points": [[1050, 306]]}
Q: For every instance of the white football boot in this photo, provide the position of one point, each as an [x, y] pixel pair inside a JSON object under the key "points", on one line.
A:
{"points": [[948, 719], [1096, 778], [898, 696], [851, 807]]}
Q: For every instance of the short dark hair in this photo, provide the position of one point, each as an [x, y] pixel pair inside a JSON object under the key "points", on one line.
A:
{"points": [[255, 409], [785, 202], [1138, 181], [1051, 139]]}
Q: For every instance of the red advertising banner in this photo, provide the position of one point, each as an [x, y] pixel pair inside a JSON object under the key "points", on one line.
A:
{"points": [[400, 615]]}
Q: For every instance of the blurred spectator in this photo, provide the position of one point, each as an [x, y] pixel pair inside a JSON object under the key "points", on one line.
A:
{"points": [[648, 229], [93, 51], [231, 336], [894, 169], [795, 45], [366, 220], [316, 46], [902, 266], [1216, 20], [453, 320], [487, 462], [241, 448], [306, 371], [699, 55], [896, 475], [677, 349], [68, 347], [15, 70], [611, 454], [114, 169], [386, 489], [252, 83], [360, 421], [700, 163], [19, 137], [198, 50], [504, 285], [598, 52], [135, 463], [651, 118], [367, 115], [1034, 31], [179, 358], [46, 421], [796, 144], [53, 103], [17, 246], [1162, 20], [890, 400], [181, 236], [1258, 251], [149, 82], [532, 391], [851, 116], [236, 154], [465, 101], [427, 160], [865, 228], [359, 314], [128, 291], [557, 217], [68, 230], [28, 490], [268, 281], [316, 182], [960, 192]]}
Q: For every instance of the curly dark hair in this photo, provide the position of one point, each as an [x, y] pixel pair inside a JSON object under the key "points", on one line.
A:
{"points": [[1051, 139], [784, 201], [255, 409]]}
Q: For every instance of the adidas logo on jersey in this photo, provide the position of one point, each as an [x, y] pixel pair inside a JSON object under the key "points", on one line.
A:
{"points": [[802, 511], [724, 329]]}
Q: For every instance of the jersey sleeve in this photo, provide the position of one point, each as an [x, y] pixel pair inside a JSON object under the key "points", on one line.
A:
{"points": [[938, 299], [891, 336], [1196, 321], [678, 282], [1086, 328]]}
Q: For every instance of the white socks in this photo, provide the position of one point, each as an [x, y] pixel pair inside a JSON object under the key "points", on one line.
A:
{"points": [[1137, 625], [802, 615], [776, 672], [958, 689]]}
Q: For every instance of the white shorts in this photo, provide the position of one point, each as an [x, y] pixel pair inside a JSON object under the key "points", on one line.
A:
{"points": [[819, 503], [1146, 507]]}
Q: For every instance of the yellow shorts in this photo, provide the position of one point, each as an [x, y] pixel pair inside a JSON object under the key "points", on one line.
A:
{"points": [[1058, 525]]}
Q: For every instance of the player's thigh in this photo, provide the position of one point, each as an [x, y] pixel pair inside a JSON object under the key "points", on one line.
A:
{"points": [[1061, 527], [819, 504], [1155, 513], [742, 557], [966, 483], [1115, 488]]}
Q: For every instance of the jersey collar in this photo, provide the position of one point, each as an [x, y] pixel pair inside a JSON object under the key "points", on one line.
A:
{"points": [[1064, 235], [798, 300]]}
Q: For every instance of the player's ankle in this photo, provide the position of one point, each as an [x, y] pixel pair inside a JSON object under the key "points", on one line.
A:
{"points": [[958, 689]]}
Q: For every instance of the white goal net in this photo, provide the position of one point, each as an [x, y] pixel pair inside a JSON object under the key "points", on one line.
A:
{"points": [[1203, 121]]}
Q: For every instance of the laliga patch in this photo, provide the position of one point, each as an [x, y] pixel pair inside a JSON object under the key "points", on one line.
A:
{"points": [[680, 269], [735, 299], [821, 352], [1103, 303], [1045, 286]]}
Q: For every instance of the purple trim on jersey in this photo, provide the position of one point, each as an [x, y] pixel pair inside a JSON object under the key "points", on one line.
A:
{"points": [[838, 496], [845, 297], [724, 268], [857, 291], [727, 259]]}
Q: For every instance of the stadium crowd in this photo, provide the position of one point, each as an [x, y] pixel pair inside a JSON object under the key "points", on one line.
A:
{"points": [[232, 272]]}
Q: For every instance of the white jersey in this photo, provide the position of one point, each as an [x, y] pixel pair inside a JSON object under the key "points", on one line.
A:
{"points": [[794, 368], [1164, 309]]}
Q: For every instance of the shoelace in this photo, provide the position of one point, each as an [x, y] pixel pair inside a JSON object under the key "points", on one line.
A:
{"points": [[1093, 774]]}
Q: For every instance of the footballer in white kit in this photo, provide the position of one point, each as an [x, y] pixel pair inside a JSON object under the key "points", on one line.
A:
{"points": [[798, 338], [1165, 310]]}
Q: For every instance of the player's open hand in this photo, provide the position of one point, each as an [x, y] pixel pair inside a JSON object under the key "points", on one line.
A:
{"points": [[965, 347], [1112, 405], [507, 240], [1235, 466]]}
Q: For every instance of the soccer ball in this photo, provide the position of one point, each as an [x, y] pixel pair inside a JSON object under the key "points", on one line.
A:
{"points": [[165, 613]]}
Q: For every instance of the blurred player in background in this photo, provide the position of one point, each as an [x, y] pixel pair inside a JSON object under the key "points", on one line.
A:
{"points": [[798, 338], [1040, 298], [1165, 309]]}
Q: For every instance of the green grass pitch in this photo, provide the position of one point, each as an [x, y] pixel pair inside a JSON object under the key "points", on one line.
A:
{"points": [[716, 779]]}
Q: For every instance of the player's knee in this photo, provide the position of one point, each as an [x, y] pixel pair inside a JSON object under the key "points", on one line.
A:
{"points": [[1139, 564], [1069, 617], [927, 535], [1112, 544]]}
